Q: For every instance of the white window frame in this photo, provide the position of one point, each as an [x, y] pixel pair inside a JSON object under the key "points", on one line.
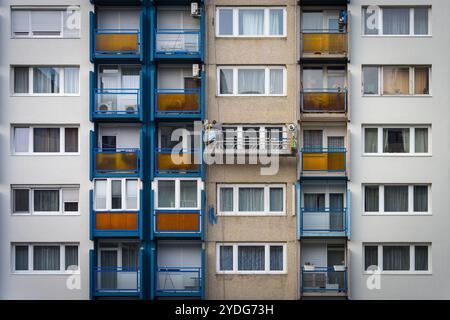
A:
{"points": [[266, 258], [411, 22], [62, 257], [412, 259], [123, 195], [410, 211], [30, 141], [62, 10], [235, 22], [200, 188], [411, 81], [61, 71], [266, 80], [32, 188], [412, 141], [266, 211]]}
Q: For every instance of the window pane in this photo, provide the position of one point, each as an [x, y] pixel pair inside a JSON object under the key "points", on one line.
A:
{"points": [[396, 140], [21, 80], [46, 200], [226, 199], [421, 21], [46, 258], [251, 22], [276, 258], [421, 141], [421, 80], [420, 198], [371, 140], [276, 22], [71, 139], [251, 258], [46, 140], [276, 81], [166, 194], [188, 194], [251, 199], [132, 194], [396, 198], [226, 258], [116, 194], [21, 258], [395, 80], [313, 78], [45, 80], [370, 256], [276, 199], [130, 256], [396, 21], [395, 258], [226, 81], [251, 81], [71, 80], [71, 254], [21, 200], [314, 202], [371, 198], [70, 200], [225, 22], [100, 194], [370, 76], [421, 258], [370, 21]]}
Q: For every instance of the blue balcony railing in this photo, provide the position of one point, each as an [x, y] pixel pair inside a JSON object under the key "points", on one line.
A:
{"points": [[179, 281], [116, 280], [178, 43], [324, 280], [323, 222], [122, 161], [117, 103], [316, 159]]}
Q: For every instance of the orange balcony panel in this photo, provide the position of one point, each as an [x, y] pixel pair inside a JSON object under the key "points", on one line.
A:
{"points": [[178, 162], [126, 161], [183, 222], [117, 42], [336, 161], [178, 102], [324, 161], [324, 101], [325, 43], [116, 221]]}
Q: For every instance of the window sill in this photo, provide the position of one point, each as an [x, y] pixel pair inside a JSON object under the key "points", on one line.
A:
{"points": [[237, 37], [47, 154], [396, 36], [397, 95], [400, 155], [400, 273], [397, 214], [251, 214], [46, 214], [252, 95], [44, 95], [52, 273], [237, 273]]}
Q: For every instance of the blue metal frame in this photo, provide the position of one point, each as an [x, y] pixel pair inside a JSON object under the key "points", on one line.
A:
{"points": [[325, 270], [180, 292], [180, 233], [315, 232], [324, 90], [324, 150]]}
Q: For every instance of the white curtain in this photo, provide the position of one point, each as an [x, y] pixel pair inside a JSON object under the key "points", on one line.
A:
{"points": [[251, 22], [21, 258], [371, 199], [276, 199], [312, 138], [226, 199], [132, 194], [46, 258], [100, 194], [421, 258], [21, 139], [335, 142], [396, 198], [420, 21], [226, 258], [251, 258], [420, 198], [395, 258], [312, 21], [251, 81], [188, 194], [71, 80], [251, 199], [276, 81], [226, 81], [276, 22], [312, 78], [370, 75], [421, 140], [71, 257], [371, 140], [45, 80], [166, 194], [21, 80], [396, 21], [276, 258], [46, 200]]}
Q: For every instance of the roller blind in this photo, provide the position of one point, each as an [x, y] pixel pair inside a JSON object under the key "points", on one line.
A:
{"points": [[46, 22], [20, 22]]}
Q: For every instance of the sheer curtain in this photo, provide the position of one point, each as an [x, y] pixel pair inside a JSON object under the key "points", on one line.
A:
{"points": [[71, 80], [313, 138], [21, 139], [312, 21], [226, 81], [100, 194], [251, 199], [370, 75], [188, 194], [226, 258], [396, 21], [45, 80], [396, 198], [226, 199], [371, 140], [276, 22], [46, 258], [21, 258], [421, 258], [71, 257], [251, 258], [395, 258], [370, 256], [371, 199], [21, 80], [251, 81], [46, 139], [336, 211], [130, 256], [336, 142], [420, 198], [251, 22], [314, 201], [395, 80], [421, 80], [421, 21], [166, 194], [276, 199], [46, 200], [132, 194], [421, 140], [276, 258], [276, 81]]}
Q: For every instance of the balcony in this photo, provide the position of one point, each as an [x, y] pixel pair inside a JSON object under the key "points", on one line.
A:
{"points": [[183, 44], [117, 162], [317, 160], [117, 104], [323, 281], [179, 103], [324, 44], [177, 223], [179, 281], [175, 161], [323, 103], [324, 222]]}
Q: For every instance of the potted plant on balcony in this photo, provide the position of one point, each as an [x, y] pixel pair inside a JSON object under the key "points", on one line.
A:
{"points": [[309, 266]]}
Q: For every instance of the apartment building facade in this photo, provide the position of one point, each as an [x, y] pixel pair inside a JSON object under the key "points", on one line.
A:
{"points": [[170, 149]]}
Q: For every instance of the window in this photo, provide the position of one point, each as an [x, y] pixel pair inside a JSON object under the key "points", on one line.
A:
{"points": [[178, 193], [116, 194], [252, 81], [245, 199], [398, 258], [251, 22], [397, 140], [45, 140], [251, 258], [45, 80], [396, 80], [45, 199], [45, 22], [397, 199], [397, 21], [45, 257]]}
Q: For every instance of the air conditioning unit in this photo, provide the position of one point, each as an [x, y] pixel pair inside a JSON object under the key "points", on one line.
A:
{"points": [[196, 70], [195, 11], [105, 106], [131, 109]]}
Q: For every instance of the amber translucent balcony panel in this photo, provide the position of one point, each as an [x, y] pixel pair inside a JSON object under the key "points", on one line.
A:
{"points": [[117, 42], [325, 43], [116, 221], [177, 221], [178, 102], [116, 161], [324, 101], [177, 162], [323, 161]]}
